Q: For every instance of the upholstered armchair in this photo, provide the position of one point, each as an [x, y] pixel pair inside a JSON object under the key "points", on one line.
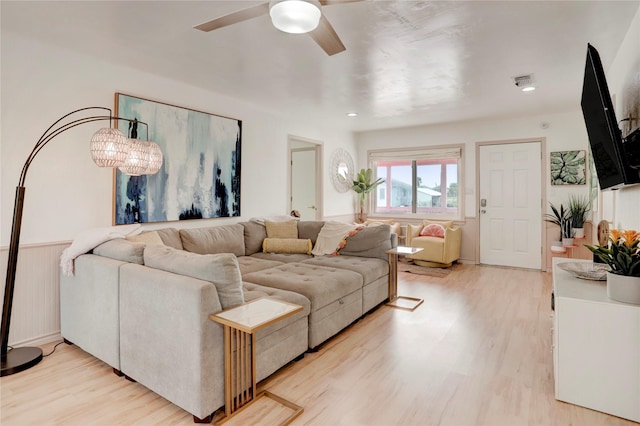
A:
{"points": [[440, 241]]}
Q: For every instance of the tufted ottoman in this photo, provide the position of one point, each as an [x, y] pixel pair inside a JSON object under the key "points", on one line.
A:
{"points": [[335, 294], [375, 275]]}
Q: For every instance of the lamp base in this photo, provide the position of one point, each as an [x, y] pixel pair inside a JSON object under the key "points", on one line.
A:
{"points": [[20, 359]]}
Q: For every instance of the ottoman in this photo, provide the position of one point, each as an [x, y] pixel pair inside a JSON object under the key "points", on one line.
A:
{"points": [[335, 294]]}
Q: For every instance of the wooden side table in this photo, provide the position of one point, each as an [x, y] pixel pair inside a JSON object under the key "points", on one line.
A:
{"points": [[240, 324], [395, 301]]}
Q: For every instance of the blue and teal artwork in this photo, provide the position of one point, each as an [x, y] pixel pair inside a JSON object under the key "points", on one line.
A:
{"points": [[200, 175]]}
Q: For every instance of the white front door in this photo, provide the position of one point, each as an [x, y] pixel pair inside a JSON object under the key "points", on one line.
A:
{"points": [[511, 205], [303, 182]]}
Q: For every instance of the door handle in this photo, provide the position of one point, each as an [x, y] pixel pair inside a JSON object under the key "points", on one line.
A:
{"points": [[483, 211], [312, 207]]}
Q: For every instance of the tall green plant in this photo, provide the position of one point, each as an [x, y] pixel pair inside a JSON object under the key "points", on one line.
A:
{"points": [[579, 208], [559, 217], [363, 185]]}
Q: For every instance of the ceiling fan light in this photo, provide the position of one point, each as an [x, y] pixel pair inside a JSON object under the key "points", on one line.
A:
{"points": [[295, 16]]}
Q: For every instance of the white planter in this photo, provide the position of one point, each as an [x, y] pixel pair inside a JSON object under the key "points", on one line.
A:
{"points": [[556, 247], [567, 242], [578, 232], [623, 289]]}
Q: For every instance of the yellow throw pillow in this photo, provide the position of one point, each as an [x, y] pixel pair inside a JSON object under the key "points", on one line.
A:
{"points": [[282, 229], [151, 237], [286, 245]]}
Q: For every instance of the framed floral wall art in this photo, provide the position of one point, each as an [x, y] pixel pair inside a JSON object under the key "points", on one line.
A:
{"points": [[568, 168], [200, 175]]}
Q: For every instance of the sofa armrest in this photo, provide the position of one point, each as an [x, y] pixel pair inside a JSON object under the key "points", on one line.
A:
{"points": [[89, 307], [452, 243], [167, 341]]}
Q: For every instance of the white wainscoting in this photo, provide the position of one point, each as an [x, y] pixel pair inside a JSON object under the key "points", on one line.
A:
{"points": [[35, 316]]}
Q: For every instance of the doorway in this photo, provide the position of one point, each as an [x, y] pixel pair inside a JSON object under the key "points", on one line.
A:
{"points": [[510, 200], [305, 177]]}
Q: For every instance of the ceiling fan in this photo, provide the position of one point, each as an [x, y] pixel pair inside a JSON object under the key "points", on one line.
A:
{"points": [[292, 16]]}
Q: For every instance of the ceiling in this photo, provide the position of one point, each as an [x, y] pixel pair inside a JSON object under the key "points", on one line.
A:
{"points": [[407, 62]]}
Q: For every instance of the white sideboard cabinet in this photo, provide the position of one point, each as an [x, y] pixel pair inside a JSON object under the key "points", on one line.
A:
{"points": [[596, 347]]}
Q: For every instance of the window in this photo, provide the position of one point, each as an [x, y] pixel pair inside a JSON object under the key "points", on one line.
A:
{"points": [[421, 181]]}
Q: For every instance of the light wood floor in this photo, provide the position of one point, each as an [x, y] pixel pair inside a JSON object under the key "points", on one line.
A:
{"points": [[476, 352]]}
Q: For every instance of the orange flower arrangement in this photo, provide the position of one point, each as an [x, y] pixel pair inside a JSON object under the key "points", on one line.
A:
{"points": [[622, 253]]}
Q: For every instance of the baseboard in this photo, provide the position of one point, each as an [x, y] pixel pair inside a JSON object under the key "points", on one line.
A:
{"points": [[38, 341]]}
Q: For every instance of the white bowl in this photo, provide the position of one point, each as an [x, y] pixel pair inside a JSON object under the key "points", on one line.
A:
{"points": [[586, 270]]}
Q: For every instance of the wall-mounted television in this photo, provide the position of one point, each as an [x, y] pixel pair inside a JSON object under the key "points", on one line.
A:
{"points": [[612, 163]]}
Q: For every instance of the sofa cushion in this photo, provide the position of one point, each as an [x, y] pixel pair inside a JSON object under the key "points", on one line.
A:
{"points": [[254, 234], [170, 237], [214, 239], [121, 249], [371, 269], [286, 245], [220, 269], [151, 237], [250, 264], [321, 285], [282, 229], [309, 229], [371, 241]]}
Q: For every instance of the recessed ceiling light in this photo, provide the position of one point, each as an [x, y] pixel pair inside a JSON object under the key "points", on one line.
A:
{"points": [[352, 114]]}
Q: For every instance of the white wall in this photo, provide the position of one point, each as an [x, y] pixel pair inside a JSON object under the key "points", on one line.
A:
{"points": [[66, 193], [623, 79], [565, 131]]}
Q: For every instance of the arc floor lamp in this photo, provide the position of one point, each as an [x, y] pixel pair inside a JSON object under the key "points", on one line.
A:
{"points": [[109, 148]]}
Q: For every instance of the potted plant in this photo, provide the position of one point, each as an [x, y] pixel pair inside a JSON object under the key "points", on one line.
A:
{"points": [[579, 208], [557, 218], [362, 186], [622, 254], [566, 231]]}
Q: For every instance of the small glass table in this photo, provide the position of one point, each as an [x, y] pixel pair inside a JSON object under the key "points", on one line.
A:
{"points": [[240, 325], [395, 301]]}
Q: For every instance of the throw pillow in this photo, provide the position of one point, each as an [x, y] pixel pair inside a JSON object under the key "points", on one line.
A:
{"points": [[330, 236], [220, 269], [433, 230], [282, 229], [286, 245], [444, 223], [151, 237]]}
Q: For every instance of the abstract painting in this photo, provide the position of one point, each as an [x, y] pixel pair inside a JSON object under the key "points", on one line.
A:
{"points": [[568, 168], [200, 175]]}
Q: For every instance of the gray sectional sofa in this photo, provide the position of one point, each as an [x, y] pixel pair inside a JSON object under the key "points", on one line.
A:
{"points": [[143, 307]]}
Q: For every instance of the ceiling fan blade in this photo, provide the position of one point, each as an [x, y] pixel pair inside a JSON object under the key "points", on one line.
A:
{"points": [[330, 2], [327, 37], [235, 17]]}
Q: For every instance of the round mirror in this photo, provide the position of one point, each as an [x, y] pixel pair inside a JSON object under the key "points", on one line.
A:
{"points": [[341, 170]]}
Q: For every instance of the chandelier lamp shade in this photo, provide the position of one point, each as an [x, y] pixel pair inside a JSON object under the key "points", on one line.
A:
{"points": [[109, 148], [295, 16]]}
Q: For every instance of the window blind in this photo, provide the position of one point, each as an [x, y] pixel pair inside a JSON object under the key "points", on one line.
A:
{"points": [[416, 154]]}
